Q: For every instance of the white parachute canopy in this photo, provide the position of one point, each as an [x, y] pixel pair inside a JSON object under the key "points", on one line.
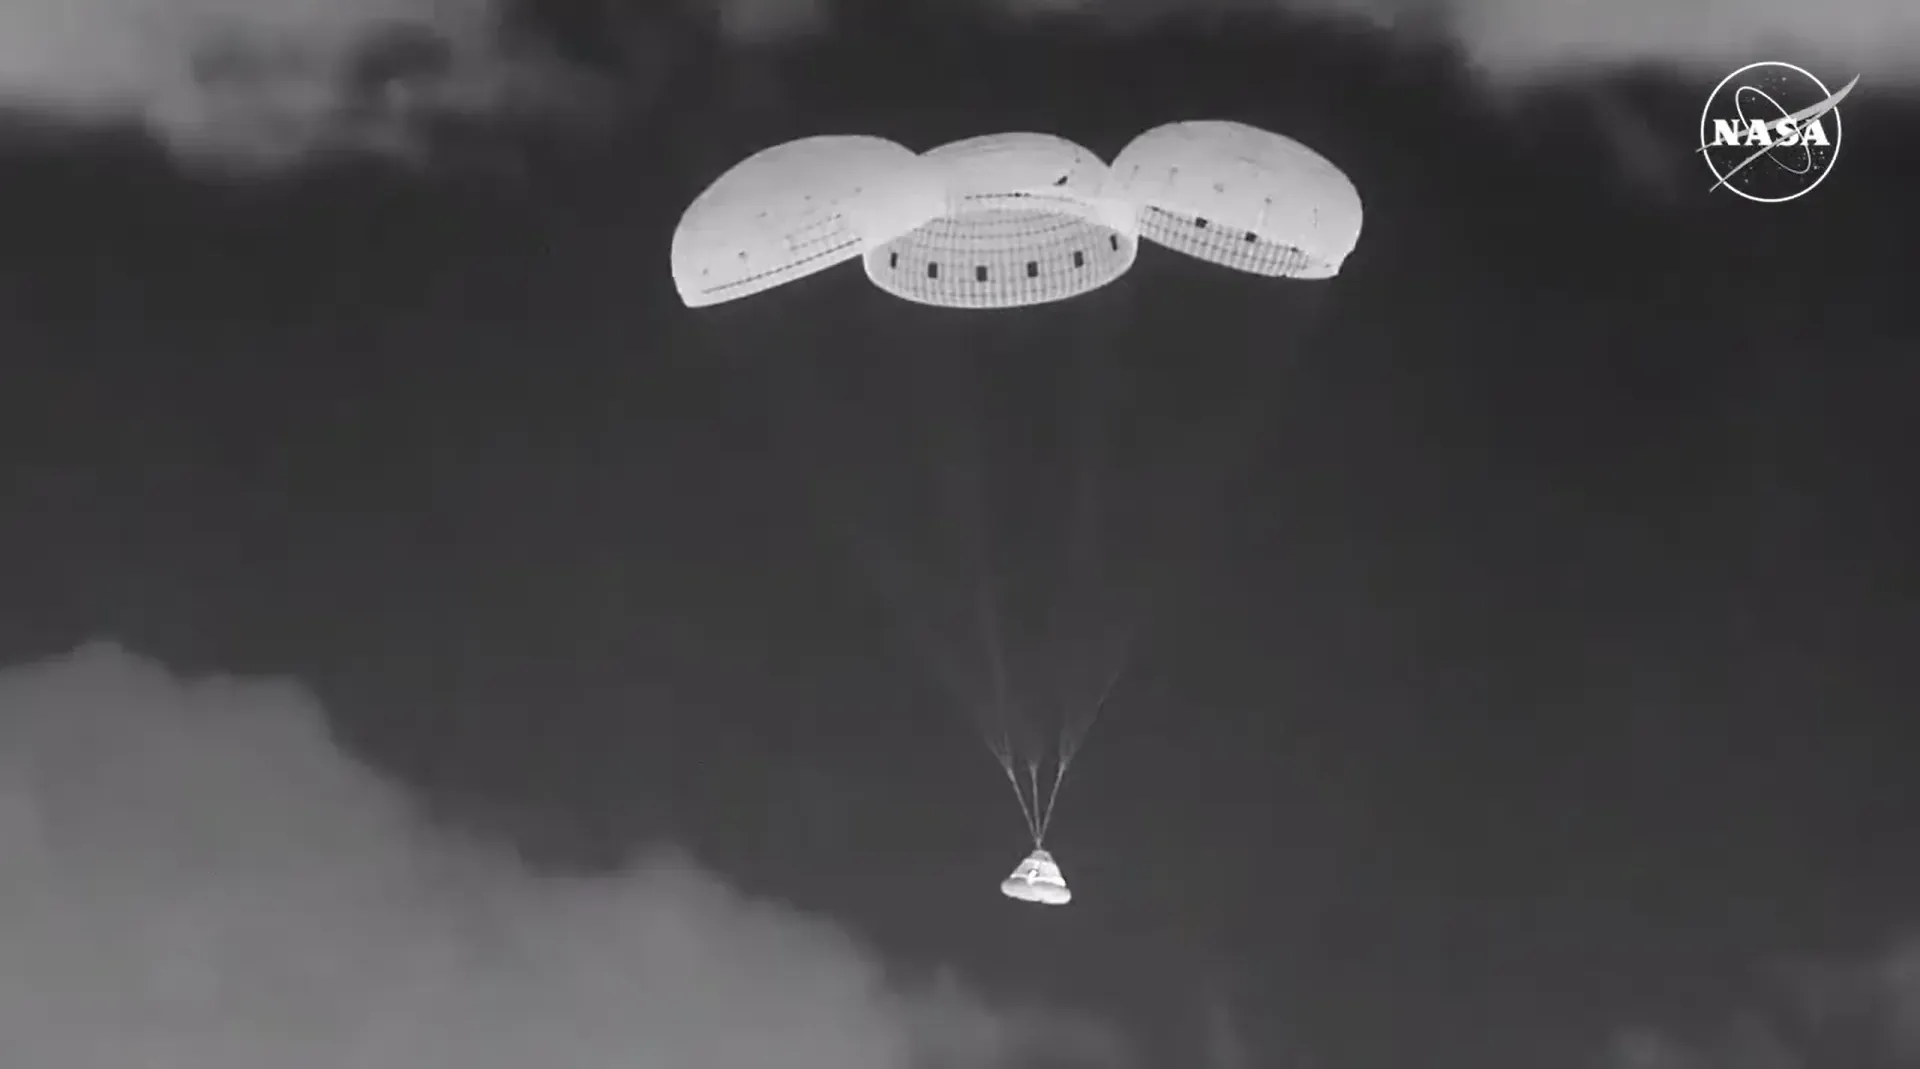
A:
{"points": [[1027, 219], [1037, 879], [1241, 197], [795, 210]]}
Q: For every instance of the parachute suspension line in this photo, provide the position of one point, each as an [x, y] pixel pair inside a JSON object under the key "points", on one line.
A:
{"points": [[894, 581], [969, 502], [1066, 748], [958, 477], [1053, 794], [1081, 567], [1080, 571], [1071, 743], [988, 613], [989, 619], [1071, 736], [1039, 828], [1003, 756], [1026, 811], [1083, 537]]}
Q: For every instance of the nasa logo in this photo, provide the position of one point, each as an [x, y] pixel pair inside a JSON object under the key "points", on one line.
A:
{"points": [[1771, 131]]}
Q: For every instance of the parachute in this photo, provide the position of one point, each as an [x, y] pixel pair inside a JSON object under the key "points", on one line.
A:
{"points": [[1007, 221], [1028, 219], [1037, 879], [1014, 219], [1240, 197], [795, 210]]}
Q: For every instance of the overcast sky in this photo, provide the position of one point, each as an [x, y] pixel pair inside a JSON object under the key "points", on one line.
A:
{"points": [[258, 80]]}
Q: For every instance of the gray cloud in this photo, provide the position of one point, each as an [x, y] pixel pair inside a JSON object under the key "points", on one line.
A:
{"points": [[261, 82], [265, 82], [1523, 40], [1539, 37], [763, 20], [1899, 977], [192, 875], [1527, 39], [1863, 1014]]}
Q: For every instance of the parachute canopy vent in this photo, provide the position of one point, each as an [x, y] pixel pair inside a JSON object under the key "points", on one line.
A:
{"points": [[1037, 879]]}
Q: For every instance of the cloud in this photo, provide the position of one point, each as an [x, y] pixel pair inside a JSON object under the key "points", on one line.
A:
{"points": [[1530, 39], [753, 21], [1899, 978], [263, 82], [1863, 1014], [1638, 1049], [193, 875], [1524, 40], [253, 83]]}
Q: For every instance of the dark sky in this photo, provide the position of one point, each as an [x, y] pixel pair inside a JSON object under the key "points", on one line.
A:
{"points": [[1540, 664]]}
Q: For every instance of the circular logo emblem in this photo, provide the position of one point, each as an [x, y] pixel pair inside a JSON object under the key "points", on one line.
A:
{"points": [[1771, 131]]}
